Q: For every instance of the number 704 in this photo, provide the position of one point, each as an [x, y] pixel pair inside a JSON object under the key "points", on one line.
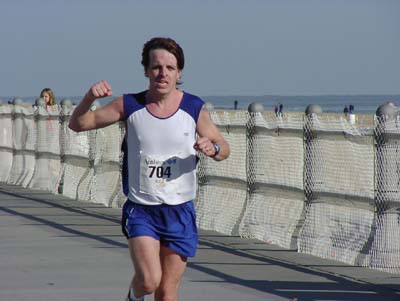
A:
{"points": [[160, 171]]}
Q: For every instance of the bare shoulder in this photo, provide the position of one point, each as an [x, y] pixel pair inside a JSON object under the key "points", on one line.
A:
{"points": [[204, 108], [205, 124], [204, 115], [119, 101], [117, 105]]}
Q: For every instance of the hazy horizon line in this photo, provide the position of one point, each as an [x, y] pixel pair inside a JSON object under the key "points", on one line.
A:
{"points": [[243, 95]]}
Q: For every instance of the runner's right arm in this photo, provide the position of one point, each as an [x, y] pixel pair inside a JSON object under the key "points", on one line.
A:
{"points": [[82, 119]]}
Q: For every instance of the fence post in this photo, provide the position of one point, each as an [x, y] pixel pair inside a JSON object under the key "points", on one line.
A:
{"points": [[385, 246], [6, 144], [65, 114], [384, 114], [40, 102], [16, 114], [17, 101], [312, 171], [255, 110]]}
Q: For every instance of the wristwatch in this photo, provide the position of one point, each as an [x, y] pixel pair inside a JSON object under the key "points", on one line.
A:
{"points": [[217, 149]]}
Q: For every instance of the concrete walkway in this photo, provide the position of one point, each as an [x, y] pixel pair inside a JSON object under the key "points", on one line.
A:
{"points": [[53, 248]]}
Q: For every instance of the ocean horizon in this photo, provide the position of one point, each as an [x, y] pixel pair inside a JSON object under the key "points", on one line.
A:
{"points": [[363, 104]]}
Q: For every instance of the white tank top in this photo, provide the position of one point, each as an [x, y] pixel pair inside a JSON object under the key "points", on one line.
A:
{"points": [[159, 158]]}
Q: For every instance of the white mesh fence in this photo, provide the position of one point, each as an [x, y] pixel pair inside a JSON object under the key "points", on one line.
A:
{"points": [[322, 184], [275, 172], [47, 170], [6, 142], [335, 231], [272, 215], [78, 172], [91, 164], [222, 186], [339, 187], [107, 180], [384, 252], [24, 143]]}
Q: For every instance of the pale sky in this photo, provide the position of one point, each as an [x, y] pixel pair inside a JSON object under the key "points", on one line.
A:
{"points": [[231, 47]]}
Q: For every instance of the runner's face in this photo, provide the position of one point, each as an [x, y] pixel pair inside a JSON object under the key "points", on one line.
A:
{"points": [[163, 71]]}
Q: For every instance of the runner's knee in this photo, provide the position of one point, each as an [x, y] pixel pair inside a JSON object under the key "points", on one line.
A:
{"points": [[148, 284], [166, 295]]}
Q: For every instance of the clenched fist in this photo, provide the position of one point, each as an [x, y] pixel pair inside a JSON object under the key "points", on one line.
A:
{"points": [[100, 89], [205, 145]]}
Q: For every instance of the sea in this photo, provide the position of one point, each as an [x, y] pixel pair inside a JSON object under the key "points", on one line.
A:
{"points": [[363, 104]]}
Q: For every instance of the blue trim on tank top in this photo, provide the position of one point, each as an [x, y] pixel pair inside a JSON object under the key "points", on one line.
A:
{"points": [[190, 104]]}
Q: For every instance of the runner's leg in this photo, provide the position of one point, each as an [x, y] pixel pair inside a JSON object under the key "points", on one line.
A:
{"points": [[145, 255], [173, 266]]}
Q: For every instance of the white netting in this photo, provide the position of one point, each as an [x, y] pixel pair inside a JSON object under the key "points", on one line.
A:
{"points": [[384, 253], [388, 162], [272, 216], [385, 250], [78, 178], [91, 163], [278, 152], [24, 144], [48, 130], [78, 169], [47, 174], [219, 207], [345, 157], [275, 175], [335, 231], [119, 198], [326, 184], [48, 162], [6, 142], [107, 165], [339, 186], [233, 127]]}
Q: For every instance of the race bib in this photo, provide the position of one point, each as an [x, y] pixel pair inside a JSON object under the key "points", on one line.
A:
{"points": [[159, 176]]}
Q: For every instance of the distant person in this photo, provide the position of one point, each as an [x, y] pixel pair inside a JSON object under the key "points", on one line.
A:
{"points": [[48, 96], [351, 109], [276, 110], [166, 128], [352, 116], [346, 110], [235, 104], [280, 113]]}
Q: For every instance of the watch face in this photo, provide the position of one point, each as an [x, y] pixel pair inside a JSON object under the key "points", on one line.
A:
{"points": [[217, 149]]}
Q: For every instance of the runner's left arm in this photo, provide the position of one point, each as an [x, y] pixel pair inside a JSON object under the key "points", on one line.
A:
{"points": [[209, 134]]}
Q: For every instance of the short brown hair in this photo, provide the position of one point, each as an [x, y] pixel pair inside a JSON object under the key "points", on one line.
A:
{"points": [[163, 43]]}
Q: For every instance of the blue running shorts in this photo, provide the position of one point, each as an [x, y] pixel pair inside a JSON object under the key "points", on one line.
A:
{"points": [[173, 225]]}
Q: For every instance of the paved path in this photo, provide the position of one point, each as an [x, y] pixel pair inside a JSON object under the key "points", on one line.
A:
{"points": [[53, 248]]}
